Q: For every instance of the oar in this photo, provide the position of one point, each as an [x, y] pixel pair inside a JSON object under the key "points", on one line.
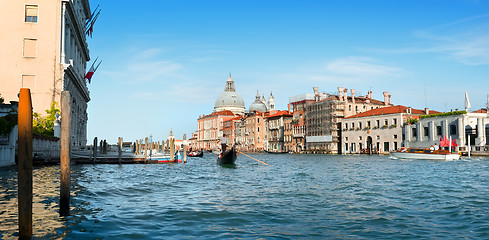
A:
{"points": [[253, 158]]}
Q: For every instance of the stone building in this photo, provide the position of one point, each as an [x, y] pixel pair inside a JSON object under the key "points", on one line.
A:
{"points": [[210, 127], [230, 100], [46, 51], [324, 116], [378, 130], [299, 104], [467, 129], [276, 130], [289, 145]]}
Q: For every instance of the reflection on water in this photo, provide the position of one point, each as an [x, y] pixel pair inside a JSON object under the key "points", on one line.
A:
{"points": [[45, 219], [296, 197]]}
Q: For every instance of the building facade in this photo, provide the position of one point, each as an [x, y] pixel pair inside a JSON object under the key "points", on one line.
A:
{"points": [[325, 114], [299, 104], [210, 128], [276, 130], [46, 51], [467, 129], [377, 131]]}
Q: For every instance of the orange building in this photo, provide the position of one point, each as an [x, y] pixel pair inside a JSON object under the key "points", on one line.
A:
{"points": [[44, 48]]}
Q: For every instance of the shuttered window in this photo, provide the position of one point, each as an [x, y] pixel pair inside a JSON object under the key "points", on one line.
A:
{"points": [[31, 13]]}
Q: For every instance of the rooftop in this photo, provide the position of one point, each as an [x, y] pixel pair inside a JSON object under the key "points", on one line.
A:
{"points": [[391, 110]]}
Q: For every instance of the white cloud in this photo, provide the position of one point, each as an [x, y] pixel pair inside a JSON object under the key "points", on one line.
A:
{"points": [[465, 41], [361, 67]]}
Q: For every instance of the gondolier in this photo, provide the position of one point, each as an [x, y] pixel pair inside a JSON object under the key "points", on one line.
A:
{"points": [[224, 143], [227, 156]]}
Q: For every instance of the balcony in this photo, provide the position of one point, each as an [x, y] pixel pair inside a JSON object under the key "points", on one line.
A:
{"points": [[273, 127], [298, 135]]}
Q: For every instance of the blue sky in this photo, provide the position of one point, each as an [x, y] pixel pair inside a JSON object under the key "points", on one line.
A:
{"points": [[166, 62]]}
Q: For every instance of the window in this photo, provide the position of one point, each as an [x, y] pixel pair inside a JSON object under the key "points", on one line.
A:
{"points": [[31, 13], [352, 125], [414, 132], [386, 122], [426, 131], [453, 129], [438, 130], [368, 124], [378, 123], [378, 137], [360, 138], [360, 124], [258, 120], [29, 81], [394, 121], [386, 146], [395, 137], [30, 47], [346, 125]]}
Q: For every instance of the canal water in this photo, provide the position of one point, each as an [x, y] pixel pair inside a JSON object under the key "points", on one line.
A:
{"points": [[295, 197]]}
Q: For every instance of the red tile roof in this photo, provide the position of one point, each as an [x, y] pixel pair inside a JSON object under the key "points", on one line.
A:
{"points": [[391, 110], [220, 113], [482, 110], [281, 113]]}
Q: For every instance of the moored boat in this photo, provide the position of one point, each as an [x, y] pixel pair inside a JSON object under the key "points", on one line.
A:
{"points": [[164, 158], [228, 157], [425, 154], [196, 154]]}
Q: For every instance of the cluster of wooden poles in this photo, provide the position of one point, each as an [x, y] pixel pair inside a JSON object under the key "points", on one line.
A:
{"points": [[24, 172]]}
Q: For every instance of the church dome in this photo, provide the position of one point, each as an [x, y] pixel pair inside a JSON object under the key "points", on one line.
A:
{"points": [[258, 105], [230, 99]]}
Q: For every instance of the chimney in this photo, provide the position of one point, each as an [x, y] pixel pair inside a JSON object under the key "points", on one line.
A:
{"points": [[316, 90], [386, 94], [426, 111], [370, 94], [353, 95], [345, 95], [390, 100], [288, 107], [340, 93]]}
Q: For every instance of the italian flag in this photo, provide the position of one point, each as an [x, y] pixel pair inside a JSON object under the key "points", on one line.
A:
{"points": [[92, 70]]}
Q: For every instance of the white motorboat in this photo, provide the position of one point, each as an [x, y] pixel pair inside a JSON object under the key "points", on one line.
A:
{"points": [[425, 154]]}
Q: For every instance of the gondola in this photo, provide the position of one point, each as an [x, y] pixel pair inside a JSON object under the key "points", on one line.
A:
{"points": [[228, 157], [196, 154]]}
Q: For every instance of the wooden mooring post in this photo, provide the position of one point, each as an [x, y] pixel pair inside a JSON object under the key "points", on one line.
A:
{"points": [[25, 164], [64, 199], [145, 149], [119, 148], [185, 148], [95, 142], [172, 149]]}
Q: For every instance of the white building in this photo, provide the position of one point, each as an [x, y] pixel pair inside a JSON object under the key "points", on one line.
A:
{"points": [[376, 131], [456, 125]]}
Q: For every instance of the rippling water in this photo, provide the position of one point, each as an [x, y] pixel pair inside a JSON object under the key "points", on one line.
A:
{"points": [[296, 197]]}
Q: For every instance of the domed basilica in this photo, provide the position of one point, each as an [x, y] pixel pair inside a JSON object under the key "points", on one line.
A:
{"points": [[230, 99]]}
